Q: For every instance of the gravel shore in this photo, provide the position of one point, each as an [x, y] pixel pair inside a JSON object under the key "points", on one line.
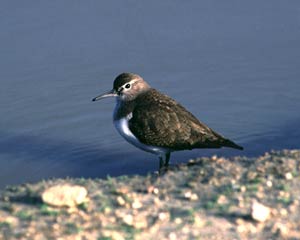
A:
{"points": [[206, 198]]}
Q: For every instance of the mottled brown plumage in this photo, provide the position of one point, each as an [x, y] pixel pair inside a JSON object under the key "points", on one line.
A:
{"points": [[156, 123], [160, 121]]}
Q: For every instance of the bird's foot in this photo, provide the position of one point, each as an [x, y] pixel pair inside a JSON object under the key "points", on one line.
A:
{"points": [[163, 170]]}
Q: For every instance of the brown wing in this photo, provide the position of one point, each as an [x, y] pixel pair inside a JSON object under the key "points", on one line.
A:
{"points": [[160, 121]]}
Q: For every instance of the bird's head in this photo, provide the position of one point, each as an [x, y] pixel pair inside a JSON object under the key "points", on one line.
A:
{"points": [[127, 86]]}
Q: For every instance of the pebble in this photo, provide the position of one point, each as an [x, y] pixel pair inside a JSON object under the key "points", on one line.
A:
{"points": [[120, 201], [128, 219], [10, 220], [136, 204], [114, 235], [288, 176], [65, 195], [243, 188], [283, 212], [198, 222], [140, 222], [155, 191], [163, 216], [280, 228], [152, 189], [260, 212], [187, 194], [222, 199], [172, 236], [194, 197], [178, 220], [191, 196], [269, 183]]}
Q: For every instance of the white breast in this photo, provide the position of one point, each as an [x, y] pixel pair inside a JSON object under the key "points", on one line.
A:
{"points": [[123, 128]]}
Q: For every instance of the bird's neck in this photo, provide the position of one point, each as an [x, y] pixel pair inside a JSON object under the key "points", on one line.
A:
{"points": [[123, 109]]}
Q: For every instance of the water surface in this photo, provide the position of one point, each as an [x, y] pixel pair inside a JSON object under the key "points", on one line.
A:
{"points": [[235, 65]]}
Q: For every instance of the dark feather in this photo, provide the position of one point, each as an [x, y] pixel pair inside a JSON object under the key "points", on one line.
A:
{"points": [[124, 78], [160, 121]]}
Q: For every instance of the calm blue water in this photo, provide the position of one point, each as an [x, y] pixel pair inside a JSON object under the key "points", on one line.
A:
{"points": [[235, 65]]}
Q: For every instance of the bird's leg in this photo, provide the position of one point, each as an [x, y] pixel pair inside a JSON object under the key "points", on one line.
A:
{"points": [[161, 162], [167, 159], [164, 162]]}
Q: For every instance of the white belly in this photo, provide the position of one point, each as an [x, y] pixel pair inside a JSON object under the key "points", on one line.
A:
{"points": [[123, 128]]}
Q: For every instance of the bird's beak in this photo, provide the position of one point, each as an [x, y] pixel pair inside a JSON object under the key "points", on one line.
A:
{"points": [[111, 93]]}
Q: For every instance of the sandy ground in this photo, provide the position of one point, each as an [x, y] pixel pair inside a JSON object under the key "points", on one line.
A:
{"points": [[207, 198]]}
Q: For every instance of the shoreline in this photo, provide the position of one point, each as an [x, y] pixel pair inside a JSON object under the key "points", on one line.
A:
{"points": [[207, 198]]}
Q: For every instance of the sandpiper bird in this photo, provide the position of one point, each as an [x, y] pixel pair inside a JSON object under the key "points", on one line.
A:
{"points": [[156, 123]]}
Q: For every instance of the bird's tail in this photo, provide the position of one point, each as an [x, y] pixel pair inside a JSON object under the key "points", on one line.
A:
{"points": [[231, 144]]}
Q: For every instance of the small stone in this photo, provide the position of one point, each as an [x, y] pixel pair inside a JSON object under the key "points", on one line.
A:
{"points": [[260, 194], [241, 228], [55, 226], [112, 235], [222, 199], [107, 210], [163, 216], [191, 161], [121, 201], [10, 220], [178, 220], [136, 204], [172, 236], [280, 229], [152, 189], [65, 195], [251, 175], [187, 194], [157, 201], [128, 219], [269, 183], [185, 230], [194, 197], [191, 196], [283, 212], [260, 212], [252, 228], [239, 221], [122, 190], [140, 222], [198, 221], [274, 212], [117, 236], [288, 176]]}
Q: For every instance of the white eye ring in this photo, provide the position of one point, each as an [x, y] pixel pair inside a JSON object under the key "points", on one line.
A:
{"points": [[127, 86]]}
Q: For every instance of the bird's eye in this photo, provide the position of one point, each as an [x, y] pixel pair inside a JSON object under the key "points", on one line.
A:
{"points": [[127, 86]]}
